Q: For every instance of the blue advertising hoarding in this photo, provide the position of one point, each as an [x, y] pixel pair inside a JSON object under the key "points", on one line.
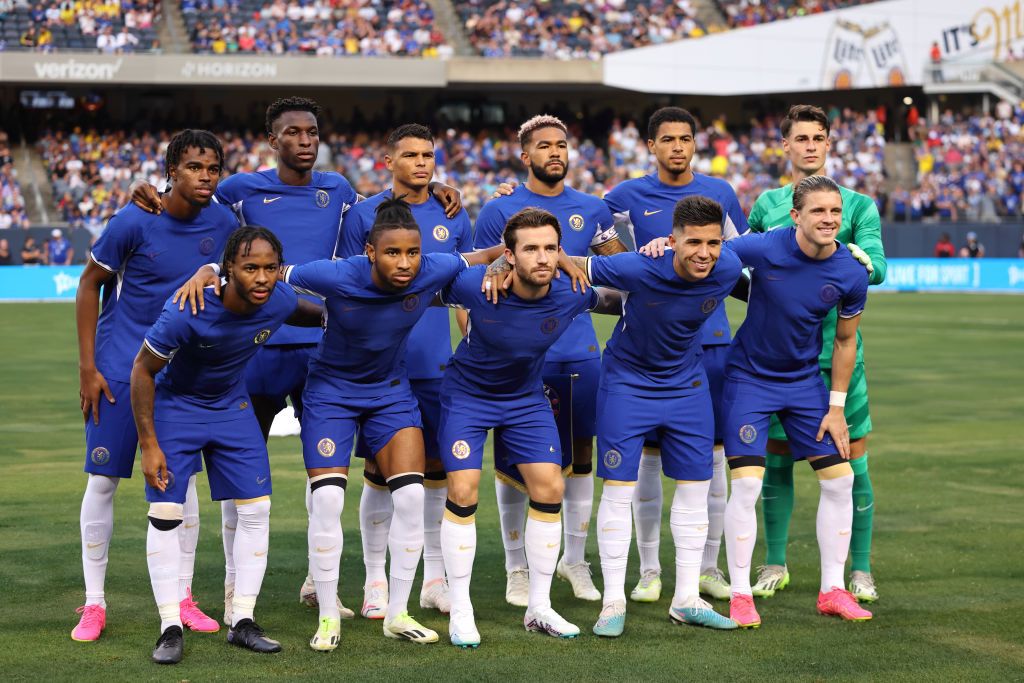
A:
{"points": [[39, 283]]}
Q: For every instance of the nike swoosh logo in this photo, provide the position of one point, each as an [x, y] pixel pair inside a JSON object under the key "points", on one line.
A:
{"points": [[465, 547], [412, 550], [652, 304], [155, 552], [260, 554], [324, 550], [262, 481], [378, 521], [859, 509], [269, 200], [647, 500], [605, 528], [651, 213], [743, 537], [93, 545], [552, 545], [772, 277], [192, 526], [229, 528], [702, 527], [489, 321], [206, 346], [349, 309]]}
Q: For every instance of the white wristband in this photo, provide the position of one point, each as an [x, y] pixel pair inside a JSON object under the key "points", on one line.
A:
{"points": [[837, 398], [215, 267]]}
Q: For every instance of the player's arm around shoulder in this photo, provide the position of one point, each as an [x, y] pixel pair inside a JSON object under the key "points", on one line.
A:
{"points": [[159, 346], [322, 278], [867, 236]]}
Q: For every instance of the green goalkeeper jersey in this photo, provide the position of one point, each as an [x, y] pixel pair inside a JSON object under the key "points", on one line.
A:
{"points": [[861, 225]]}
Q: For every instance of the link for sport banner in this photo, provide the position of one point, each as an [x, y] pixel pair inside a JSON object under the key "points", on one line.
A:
{"points": [[1005, 275]]}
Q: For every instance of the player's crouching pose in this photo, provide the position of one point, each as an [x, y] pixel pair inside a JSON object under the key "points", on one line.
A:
{"points": [[494, 382], [652, 381], [357, 379], [198, 405], [800, 274]]}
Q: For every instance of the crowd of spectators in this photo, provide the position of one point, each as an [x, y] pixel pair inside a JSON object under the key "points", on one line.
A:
{"points": [[969, 167], [739, 13], [574, 29], [12, 201], [315, 27], [110, 26]]}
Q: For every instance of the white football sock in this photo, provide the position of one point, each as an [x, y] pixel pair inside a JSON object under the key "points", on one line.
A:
{"points": [[614, 529], [325, 542], [741, 531], [512, 515], [309, 520], [717, 496], [689, 521], [647, 510], [578, 505], [434, 497], [458, 544], [188, 536], [405, 540], [252, 542], [97, 526], [228, 526], [163, 557], [835, 517], [375, 515], [543, 538]]}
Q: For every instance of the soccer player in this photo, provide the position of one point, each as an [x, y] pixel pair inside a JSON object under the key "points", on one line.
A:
{"points": [[357, 379], [805, 139], [494, 382], [305, 209], [188, 396], [800, 275], [410, 158], [137, 262], [653, 382], [648, 203], [587, 224]]}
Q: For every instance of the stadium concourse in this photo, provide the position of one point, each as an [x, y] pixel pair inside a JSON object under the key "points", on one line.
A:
{"points": [[968, 165]]}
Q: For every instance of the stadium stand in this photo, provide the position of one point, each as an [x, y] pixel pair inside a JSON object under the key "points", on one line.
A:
{"points": [[104, 25], [739, 13], [314, 27], [12, 202], [570, 29]]}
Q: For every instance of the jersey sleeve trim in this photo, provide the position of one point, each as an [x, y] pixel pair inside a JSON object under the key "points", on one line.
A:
{"points": [[159, 354], [847, 316], [101, 264]]}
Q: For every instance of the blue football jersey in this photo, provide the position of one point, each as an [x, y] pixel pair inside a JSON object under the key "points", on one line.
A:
{"points": [[649, 204], [585, 222], [655, 347], [368, 329], [205, 378], [504, 352], [306, 218], [790, 296], [430, 344], [151, 256]]}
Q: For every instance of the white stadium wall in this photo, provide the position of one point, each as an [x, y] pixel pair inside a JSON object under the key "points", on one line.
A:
{"points": [[871, 46]]}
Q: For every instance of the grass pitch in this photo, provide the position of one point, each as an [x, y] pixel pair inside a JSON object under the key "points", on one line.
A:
{"points": [[946, 376]]}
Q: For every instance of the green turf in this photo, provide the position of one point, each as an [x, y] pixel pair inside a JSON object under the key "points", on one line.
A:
{"points": [[945, 374]]}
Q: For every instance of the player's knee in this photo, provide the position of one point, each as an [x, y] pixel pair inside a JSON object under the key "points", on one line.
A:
{"points": [[746, 467], [548, 490], [328, 492], [407, 495], [166, 516], [462, 493], [544, 512], [253, 513], [102, 485]]}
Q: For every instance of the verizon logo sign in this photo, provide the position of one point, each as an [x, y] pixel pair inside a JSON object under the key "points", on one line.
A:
{"points": [[74, 70]]}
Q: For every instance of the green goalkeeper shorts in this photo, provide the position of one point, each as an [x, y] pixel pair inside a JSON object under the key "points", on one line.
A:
{"points": [[858, 418]]}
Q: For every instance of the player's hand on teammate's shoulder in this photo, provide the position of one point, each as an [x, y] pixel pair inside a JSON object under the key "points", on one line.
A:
{"points": [[154, 467], [655, 248], [861, 256], [146, 197], [580, 281], [191, 293], [504, 189], [834, 423], [497, 278], [449, 197], [92, 383]]}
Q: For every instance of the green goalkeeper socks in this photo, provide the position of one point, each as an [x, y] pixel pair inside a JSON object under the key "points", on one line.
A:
{"points": [[777, 502], [863, 516]]}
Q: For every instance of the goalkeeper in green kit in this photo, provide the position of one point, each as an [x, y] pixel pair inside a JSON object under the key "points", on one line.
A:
{"points": [[805, 137]]}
